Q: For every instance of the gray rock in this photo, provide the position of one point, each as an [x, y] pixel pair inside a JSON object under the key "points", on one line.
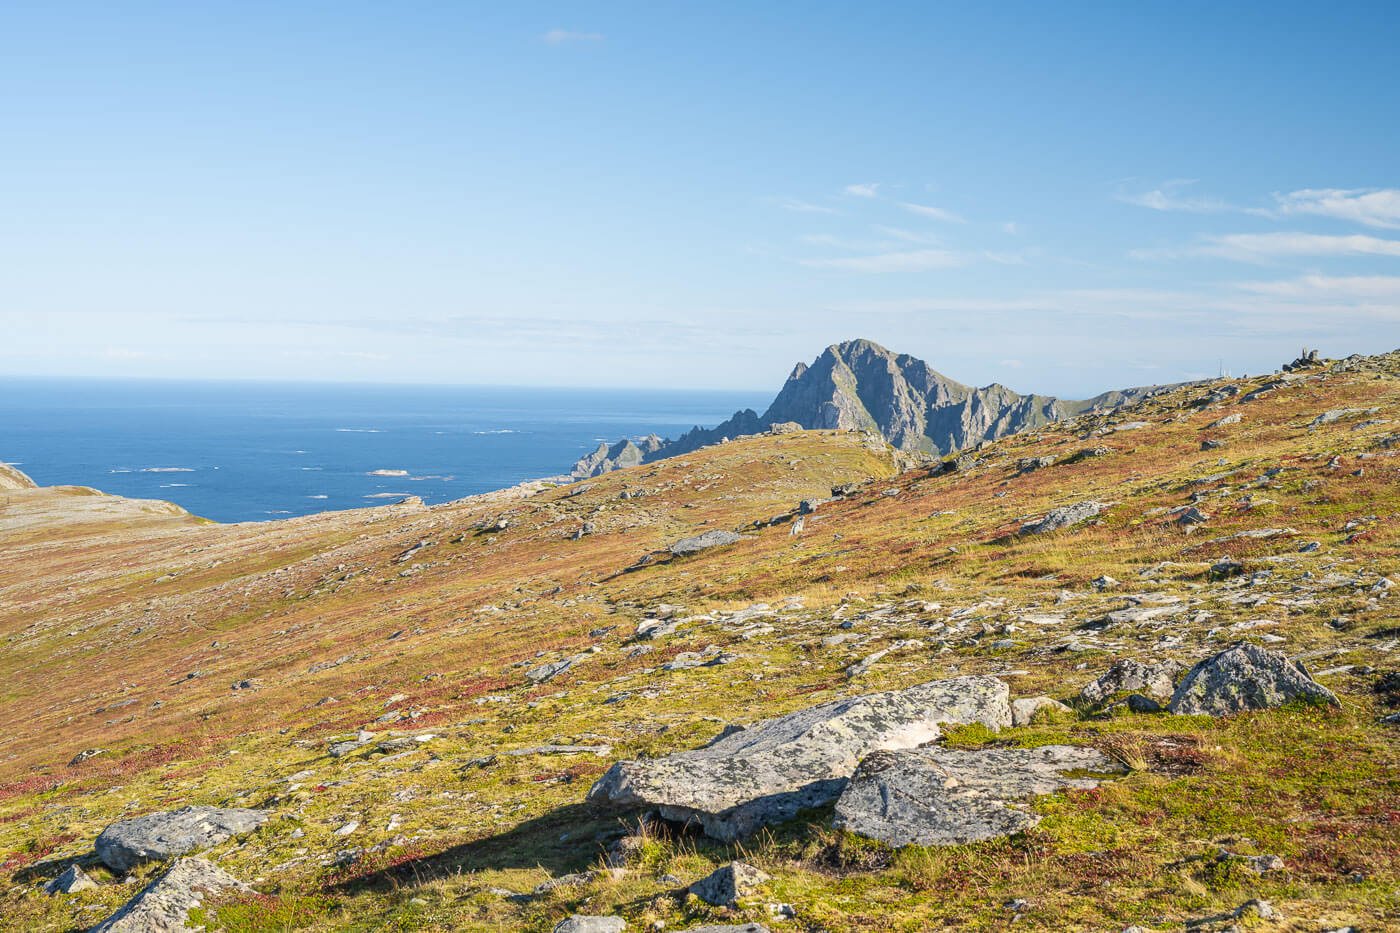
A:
{"points": [[728, 884], [1023, 711], [160, 836], [1141, 704], [702, 542], [1155, 680], [1031, 464], [164, 905], [771, 770], [1245, 677], [581, 923], [544, 672], [937, 796], [73, 880], [1063, 517], [728, 928]]}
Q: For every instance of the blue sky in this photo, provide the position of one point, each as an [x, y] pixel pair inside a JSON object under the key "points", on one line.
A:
{"points": [[1060, 197]]}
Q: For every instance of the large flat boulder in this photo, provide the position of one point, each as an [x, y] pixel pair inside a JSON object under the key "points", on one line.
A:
{"points": [[938, 796], [1245, 677], [703, 542], [164, 905], [769, 771], [159, 836]]}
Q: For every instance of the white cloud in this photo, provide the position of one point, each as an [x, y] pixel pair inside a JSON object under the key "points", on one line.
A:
{"points": [[1374, 207], [1012, 227], [1169, 197], [1332, 288], [1012, 364], [561, 36], [937, 213], [910, 261], [1258, 246], [867, 190]]}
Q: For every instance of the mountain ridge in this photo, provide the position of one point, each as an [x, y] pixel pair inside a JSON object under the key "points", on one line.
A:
{"points": [[860, 385]]}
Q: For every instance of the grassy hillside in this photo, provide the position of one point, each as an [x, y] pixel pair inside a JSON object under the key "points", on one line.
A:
{"points": [[152, 660]]}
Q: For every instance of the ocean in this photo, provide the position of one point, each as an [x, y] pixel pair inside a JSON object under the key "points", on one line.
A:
{"points": [[237, 452]]}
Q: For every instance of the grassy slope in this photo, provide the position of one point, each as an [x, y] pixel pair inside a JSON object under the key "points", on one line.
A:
{"points": [[103, 622]]}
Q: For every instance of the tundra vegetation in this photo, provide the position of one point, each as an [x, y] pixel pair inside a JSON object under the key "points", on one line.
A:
{"points": [[416, 701]]}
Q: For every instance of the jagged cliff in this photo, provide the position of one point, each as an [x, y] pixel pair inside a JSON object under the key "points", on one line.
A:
{"points": [[861, 385]]}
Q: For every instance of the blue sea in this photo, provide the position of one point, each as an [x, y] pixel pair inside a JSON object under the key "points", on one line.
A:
{"points": [[237, 452]]}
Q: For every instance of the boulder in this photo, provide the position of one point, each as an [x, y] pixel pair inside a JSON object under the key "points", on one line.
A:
{"points": [[1154, 680], [1063, 517], [766, 773], [1245, 677], [160, 836], [703, 542], [728, 884], [581, 923], [1023, 711], [165, 904], [73, 880], [938, 796]]}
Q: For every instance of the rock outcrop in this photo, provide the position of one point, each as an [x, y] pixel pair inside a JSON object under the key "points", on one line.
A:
{"points": [[769, 771], [703, 542], [860, 385], [1154, 679], [159, 836], [165, 904], [936, 796], [1245, 677]]}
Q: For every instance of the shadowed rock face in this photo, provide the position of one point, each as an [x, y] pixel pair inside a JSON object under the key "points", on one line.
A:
{"points": [[165, 903], [159, 836], [768, 772], [1245, 677], [934, 796], [862, 386]]}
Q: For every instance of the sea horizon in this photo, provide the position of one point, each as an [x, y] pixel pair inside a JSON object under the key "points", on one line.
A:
{"points": [[235, 450]]}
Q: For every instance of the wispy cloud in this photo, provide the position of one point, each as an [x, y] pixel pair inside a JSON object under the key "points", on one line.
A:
{"points": [[1373, 207], [936, 213], [562, 36], [867, 190], [1172, 196], [1265, 247], [1330, 288], [907, 261]]}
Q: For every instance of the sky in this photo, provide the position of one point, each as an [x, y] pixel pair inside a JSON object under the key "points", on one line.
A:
{"points": [[1064, 198]]}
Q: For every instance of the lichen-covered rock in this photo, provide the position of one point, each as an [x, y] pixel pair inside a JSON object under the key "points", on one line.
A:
{"points": [[937, 796], [703, 542], [73, 880], [1063, 517], [1155, 680], [1245, 677], [1023, 711], [766, 773], [164, 905], [159, 836], [726, 885], [582, 923]]}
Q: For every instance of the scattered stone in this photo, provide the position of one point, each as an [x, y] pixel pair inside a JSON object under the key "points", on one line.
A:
{"points": [[1245, 677], [581, 923], [1225, 568], [728, 928], [728, 884], [1104, 582], [1236, 418], [165, 903], [84, 755], [1023, 711], [702, 542], [767, 772], [160, 836], [1063, 517], [937, 796], [1031, 464], [73, 880], [1212, 443], [1138, 703], [1153, 679], [544, 672]]}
